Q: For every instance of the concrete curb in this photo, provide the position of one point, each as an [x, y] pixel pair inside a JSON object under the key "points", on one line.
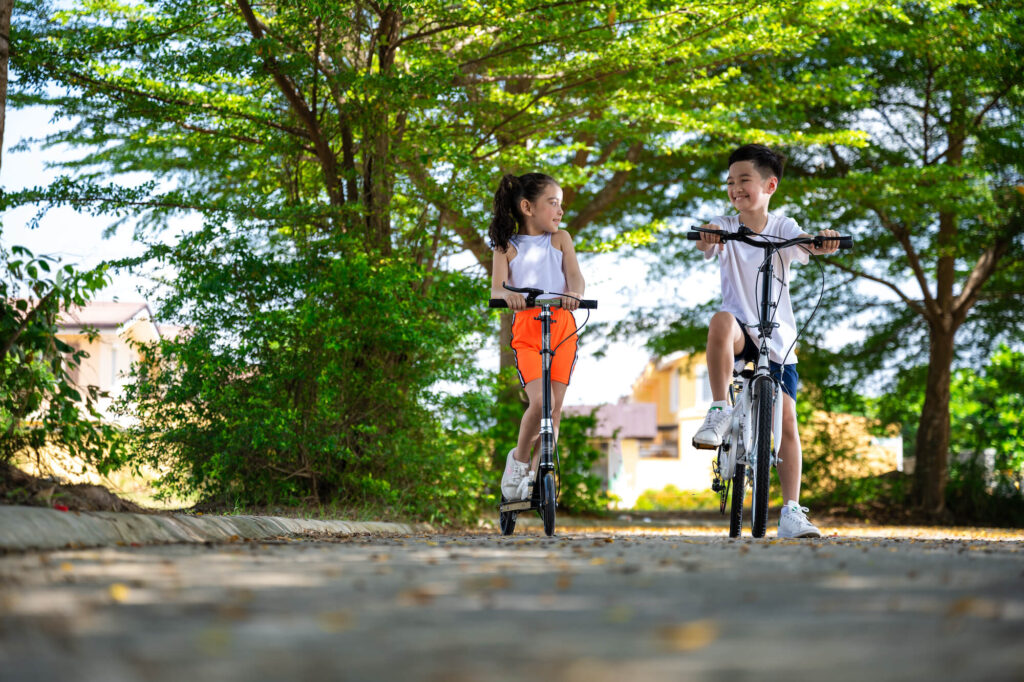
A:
{"points": [[25, 528]]}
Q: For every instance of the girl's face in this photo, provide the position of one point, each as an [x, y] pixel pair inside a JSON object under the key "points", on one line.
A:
{"points": [[544, 214], [749, 192]]}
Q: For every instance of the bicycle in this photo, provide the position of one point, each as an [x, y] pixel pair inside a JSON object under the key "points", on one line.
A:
{"points": [[750, 447], [544, 495]]}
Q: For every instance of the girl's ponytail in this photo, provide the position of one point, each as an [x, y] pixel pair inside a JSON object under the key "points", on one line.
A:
{"points": [[507, 218]]}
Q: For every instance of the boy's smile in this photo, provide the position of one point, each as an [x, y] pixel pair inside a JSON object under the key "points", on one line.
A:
{"points": [[749, 192]]}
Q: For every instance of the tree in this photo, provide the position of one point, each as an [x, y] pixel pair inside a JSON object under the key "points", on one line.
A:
{"points": [[931, 192], [935, 199], [39, 403], [379, 129]]}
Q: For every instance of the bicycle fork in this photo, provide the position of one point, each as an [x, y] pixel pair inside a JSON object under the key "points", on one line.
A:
{"points": [[547, 427]]}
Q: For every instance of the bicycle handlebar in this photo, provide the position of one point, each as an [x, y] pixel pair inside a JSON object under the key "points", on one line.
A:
{"points": [[817, 240], [531, 299], [553, 302]]}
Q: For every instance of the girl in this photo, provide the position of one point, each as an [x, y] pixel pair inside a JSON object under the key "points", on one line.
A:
{"points": [[530, 251]]}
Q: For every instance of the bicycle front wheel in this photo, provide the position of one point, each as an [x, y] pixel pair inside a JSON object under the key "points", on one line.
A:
{"points": [[547, 492], [739, 491], [763, 457]]}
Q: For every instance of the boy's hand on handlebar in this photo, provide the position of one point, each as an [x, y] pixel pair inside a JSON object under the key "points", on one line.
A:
{"points": [[828, 246], [569, 303], [708, 241]]}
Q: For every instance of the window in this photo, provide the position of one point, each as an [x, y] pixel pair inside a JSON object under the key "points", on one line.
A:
{"points": [[703, 386], [113, 366]]}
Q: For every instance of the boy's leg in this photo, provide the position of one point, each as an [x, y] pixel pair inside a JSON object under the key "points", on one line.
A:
{"points": [[790, 452], [793, 522], [725, 342]]}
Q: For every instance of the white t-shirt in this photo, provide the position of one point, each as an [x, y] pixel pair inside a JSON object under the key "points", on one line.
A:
{"points": [[741, 285]]}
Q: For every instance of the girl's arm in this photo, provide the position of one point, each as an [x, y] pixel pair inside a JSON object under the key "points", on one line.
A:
{"points": [[499, 275], [574, 283]]}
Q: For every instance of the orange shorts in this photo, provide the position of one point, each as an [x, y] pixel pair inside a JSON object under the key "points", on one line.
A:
{"points": [[526, 345]]}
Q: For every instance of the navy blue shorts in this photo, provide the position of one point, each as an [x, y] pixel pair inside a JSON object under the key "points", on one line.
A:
{"points": [[786, 374]]}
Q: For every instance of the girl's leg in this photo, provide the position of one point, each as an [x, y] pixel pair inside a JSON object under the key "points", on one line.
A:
{"points": [[557, 396], [529, 427], [725, 341], [790, 452]]}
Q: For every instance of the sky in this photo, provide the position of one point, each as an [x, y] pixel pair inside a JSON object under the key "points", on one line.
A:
{"points": [[617, 282]]}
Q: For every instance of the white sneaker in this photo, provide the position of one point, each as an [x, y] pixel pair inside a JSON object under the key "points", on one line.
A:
{"points": [[515, 473], [794, 524], [526, 486], [709, 435]]}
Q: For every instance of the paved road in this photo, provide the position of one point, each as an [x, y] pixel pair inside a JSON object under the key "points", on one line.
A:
{"points": [[592, 604]]}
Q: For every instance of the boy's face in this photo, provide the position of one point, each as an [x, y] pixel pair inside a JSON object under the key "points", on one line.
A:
{"points": [[749, 191]]}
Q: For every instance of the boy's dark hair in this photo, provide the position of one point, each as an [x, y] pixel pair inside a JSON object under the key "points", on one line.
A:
{"points": [[766, 161], [508, 218]]}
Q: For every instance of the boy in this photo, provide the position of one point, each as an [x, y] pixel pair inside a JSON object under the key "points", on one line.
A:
{"points": [[754, 174]]}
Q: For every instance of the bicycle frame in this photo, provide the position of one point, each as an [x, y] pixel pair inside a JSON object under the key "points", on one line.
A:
{"points": [[741, 443], [542, 498]]}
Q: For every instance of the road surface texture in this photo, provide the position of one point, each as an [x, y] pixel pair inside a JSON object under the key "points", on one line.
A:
{"points": [[592, 604]]}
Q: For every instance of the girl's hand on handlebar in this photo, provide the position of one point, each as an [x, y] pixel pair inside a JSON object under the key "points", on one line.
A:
{"points": [[828, 246], [569, 303], [515, 300], [708, 241]]}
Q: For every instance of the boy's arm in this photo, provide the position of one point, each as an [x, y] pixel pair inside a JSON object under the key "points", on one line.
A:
{"points": [[827, 247], [499, 275], [574, 284], [707, 242]]}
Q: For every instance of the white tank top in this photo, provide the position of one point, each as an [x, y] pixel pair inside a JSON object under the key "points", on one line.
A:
{"points": [[537, 264]]}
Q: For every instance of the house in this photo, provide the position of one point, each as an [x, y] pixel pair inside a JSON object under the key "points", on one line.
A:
{"points": [[652, 448], [111, 353], [624, 430]]}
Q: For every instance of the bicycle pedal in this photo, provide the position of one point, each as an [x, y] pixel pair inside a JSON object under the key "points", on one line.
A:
{"points": [[701, 446], [521, 505]]}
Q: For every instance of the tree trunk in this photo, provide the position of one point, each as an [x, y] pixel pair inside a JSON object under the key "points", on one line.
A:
{"points": [[6, 8], [931, 451]]}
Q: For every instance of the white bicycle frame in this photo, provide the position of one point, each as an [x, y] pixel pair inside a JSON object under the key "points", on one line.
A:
{"points": [[741, 437]]}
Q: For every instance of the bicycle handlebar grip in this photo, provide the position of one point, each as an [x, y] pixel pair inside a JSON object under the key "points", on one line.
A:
{"points": [[693, 236], [587, 303], [846, 243]]}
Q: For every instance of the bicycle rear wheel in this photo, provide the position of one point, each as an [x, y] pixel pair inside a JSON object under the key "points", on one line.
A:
{"points": [[739, 490], [507, 520], [763, 457], [548, 503]]}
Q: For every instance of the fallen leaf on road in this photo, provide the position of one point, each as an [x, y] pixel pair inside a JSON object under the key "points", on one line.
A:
{"points": [[336, 621], [119, 592], [689, 636], [622, 613]]}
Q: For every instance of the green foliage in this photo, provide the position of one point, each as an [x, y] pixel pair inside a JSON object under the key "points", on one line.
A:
{"points": [[303, 377], [581, 488], [487, 422], [671, 498], [987, 474], [40, 405]]}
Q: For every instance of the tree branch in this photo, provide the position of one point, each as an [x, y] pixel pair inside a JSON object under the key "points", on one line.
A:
{"points": [[328, 161]]}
